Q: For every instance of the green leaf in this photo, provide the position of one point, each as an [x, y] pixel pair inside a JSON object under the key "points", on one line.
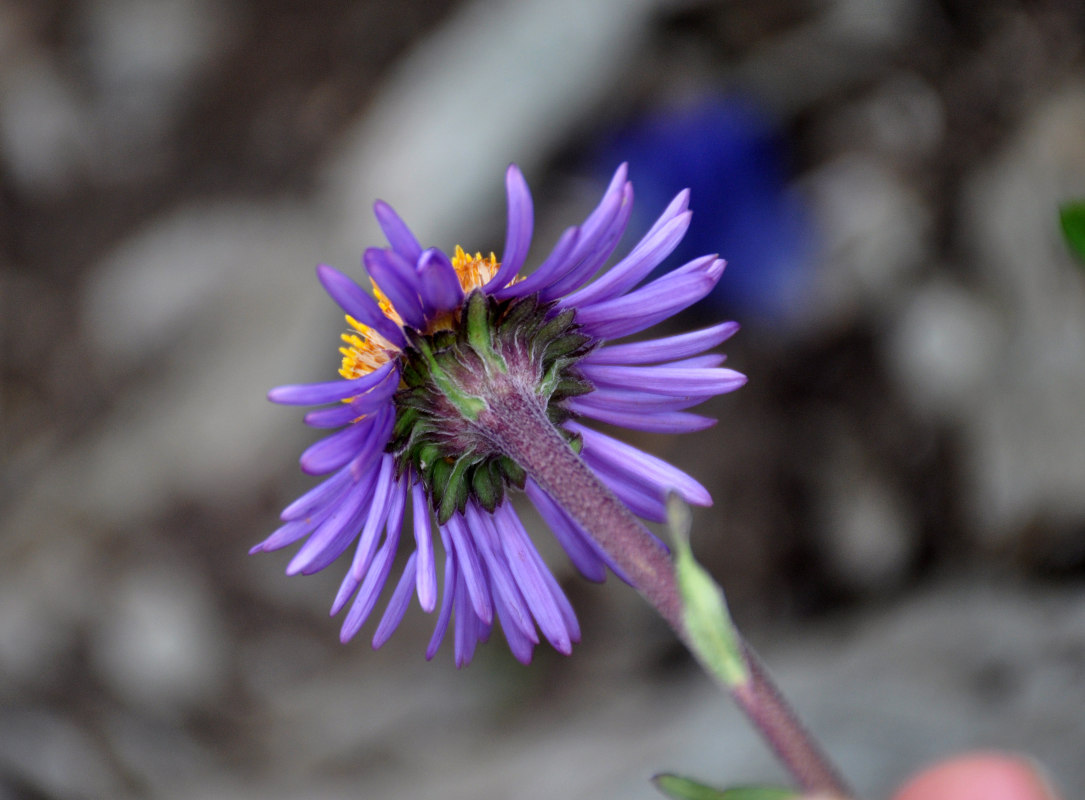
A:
{"points": [[1072, 218], [679, 788], [712, 634]]}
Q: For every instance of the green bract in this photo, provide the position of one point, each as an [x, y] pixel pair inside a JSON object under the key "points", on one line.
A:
{"points": [[495, 348]]}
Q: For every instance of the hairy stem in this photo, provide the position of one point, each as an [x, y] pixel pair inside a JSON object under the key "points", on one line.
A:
{"points": [[518, 425]]}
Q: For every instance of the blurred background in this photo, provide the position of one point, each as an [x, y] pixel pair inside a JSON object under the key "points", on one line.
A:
{"points": [[900, 488]]}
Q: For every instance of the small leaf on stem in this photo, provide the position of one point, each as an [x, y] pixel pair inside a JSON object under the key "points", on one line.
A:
{"points": [[711, 632], [1072, 218], [679, 788]]}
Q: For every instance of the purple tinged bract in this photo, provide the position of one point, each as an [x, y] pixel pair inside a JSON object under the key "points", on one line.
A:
{"points": [[491, 571]]}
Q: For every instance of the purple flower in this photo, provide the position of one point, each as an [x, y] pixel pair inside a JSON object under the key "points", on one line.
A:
{"points": [[442, 337]]}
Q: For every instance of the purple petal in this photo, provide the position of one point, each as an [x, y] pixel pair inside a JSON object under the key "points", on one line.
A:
{"points": [[649, 252], [319, 496], [332, 537], [528, 569], [383, 492], [521, 646], [481, 525], [626, 459], [590, 236], [518, 234], [360, 442], [652, 422], [446, 598], [439, 284], [315, 394], [333, 417], [665, 349], [576, 243], [473, 575], [466, 631], [653, 302], [646, 501], [397, 605], [397, 279], [576, 544], [292, 531], [638, 402], [670, 381], [374, 582], [555, 264], [601, 247], [358, 303], [332, 452], [359, 405], [602, 554], [397, 233], [423, 540], [704, 361]]}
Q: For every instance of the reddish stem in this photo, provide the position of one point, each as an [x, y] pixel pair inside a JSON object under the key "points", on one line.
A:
{"points": [[517, 424]]}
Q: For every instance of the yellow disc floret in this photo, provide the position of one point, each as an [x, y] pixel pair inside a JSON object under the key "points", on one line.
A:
{"points": [[474, 271], [366, 350]]}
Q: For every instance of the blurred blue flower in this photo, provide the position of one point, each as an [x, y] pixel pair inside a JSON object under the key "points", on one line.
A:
{"points": [[733, 159]]}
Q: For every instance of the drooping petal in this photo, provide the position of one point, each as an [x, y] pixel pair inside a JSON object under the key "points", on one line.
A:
{"points": [[447, 597], [521, 647], [482, 529], [366, 599], [357, 302], [423, 540], [466, 630], [471, 569], [336, 532], [386, 488], [375, 579], [530, 575], [397, 604]]}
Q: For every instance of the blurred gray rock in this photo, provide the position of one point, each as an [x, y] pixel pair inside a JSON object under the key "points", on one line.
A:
{"points": [[158, 643], [1025, 426], [875, 236]]}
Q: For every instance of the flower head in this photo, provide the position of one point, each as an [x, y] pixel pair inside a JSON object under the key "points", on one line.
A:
{"points": [[439, 345]]}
